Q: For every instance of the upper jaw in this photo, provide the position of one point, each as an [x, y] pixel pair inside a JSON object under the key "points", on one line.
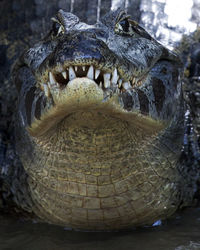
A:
{"points": [[56, 79]]}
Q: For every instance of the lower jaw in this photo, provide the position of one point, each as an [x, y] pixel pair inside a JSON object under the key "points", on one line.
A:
{"points": [[100, 173]]}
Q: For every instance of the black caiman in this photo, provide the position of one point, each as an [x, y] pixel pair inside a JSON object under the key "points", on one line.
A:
{"points": [[99, 127]]}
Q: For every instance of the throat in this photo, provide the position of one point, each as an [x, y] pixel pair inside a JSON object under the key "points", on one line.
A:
{"points": [[93, 143]]}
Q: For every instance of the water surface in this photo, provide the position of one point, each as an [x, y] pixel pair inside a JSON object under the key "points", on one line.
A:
{"points": [[179, 233]]}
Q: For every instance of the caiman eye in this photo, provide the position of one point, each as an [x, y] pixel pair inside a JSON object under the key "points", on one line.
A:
{"points": [[128, 27], [123, 27], [57, 28]]}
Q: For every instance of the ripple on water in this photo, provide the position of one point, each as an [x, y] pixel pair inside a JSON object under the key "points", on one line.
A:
{"points": [[192, 246]]}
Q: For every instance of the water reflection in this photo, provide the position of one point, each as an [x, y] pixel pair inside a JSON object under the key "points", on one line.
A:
{"points": [[180, 232]]}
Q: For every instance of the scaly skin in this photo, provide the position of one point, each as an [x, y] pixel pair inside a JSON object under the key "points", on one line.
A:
{"points": [[101, 154]]}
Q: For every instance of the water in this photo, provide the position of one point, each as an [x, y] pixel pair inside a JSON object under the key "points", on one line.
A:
{"points": [[181, 232]]}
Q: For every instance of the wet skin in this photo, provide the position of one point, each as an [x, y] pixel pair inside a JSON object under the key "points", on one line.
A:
{"points": [[100, 125]]}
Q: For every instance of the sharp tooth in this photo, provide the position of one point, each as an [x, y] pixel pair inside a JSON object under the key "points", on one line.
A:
{"points": [[72, 74], [120, 83], [106, 80], [126, 85], [114, 77], [46, 90], [133, 81], [97, 72], [100, 85], [90, 73], [83, 67], [76, 68], [60, 30], [52, 79], [64, 73]]}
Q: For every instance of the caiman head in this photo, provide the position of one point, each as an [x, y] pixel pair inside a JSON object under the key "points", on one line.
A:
{"points": [[99, 124]]}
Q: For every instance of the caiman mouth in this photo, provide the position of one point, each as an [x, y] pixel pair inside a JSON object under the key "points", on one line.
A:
{"points": [[72, 88], [85, 87], [60, 76]]}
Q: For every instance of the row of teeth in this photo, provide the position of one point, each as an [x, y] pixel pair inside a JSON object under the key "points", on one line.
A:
{"points": [[105, 81]]}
